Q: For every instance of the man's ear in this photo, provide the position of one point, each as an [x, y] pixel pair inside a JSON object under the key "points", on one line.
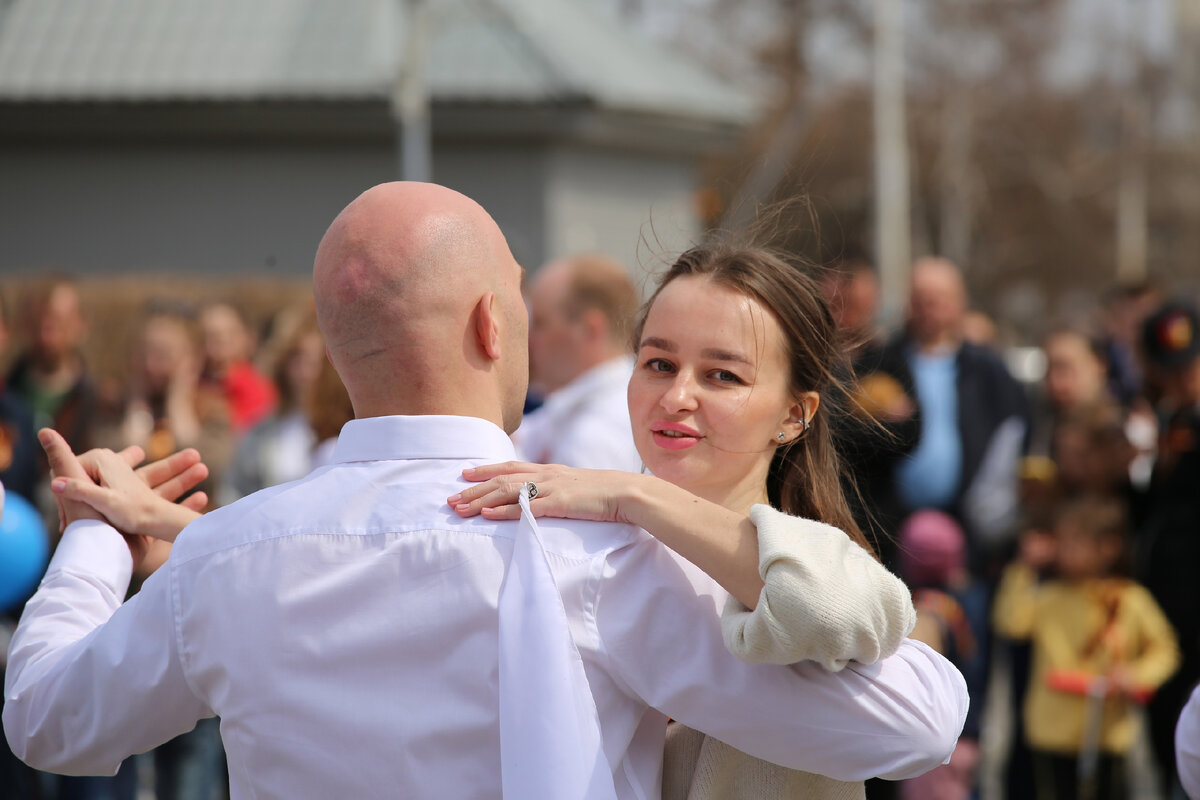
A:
{"points": [[595, 324], [487, 325]]}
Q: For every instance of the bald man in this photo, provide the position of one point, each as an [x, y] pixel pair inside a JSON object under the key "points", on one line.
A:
{"points": [[580, 311], [974, 416], [359, 639]]}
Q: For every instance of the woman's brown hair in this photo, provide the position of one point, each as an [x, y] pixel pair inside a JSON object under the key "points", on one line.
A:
{"points": [[805, 475]]}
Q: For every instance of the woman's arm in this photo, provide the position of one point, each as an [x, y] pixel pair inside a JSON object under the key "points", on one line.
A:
{"points": [[720, 542], [824, 598], [800, 590]]}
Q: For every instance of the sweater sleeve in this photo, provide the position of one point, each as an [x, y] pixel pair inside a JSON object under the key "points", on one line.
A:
{"points": [[1158, 655], [824, 599]]}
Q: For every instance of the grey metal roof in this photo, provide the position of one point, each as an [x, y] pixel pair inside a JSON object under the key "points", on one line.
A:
{"points": [[505, 51]]}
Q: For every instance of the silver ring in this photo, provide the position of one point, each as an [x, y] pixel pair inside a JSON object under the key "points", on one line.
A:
{"points": [[532, 489]]}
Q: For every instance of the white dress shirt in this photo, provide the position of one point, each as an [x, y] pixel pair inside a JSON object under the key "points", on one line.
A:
{"points": [[585, 423], [1187, 746], [345, 628]]}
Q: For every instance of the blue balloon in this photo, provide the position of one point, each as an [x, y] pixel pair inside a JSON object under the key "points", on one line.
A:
{"points": [[24, 551]]}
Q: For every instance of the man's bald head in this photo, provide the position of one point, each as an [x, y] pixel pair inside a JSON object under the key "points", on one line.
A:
{"points": [[937, 302], [419, 300]]}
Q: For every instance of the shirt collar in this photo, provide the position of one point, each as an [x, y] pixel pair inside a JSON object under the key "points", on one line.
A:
{"points": [[398, 438]]}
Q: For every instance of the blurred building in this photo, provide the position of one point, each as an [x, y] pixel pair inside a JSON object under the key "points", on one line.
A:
{"points": [[222, 136]]}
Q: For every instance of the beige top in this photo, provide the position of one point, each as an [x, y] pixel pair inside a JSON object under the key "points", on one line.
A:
{"points": [[699, 767], [825, 599]]}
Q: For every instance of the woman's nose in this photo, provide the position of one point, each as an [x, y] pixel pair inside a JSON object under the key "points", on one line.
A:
{"points": [[680, 394]]}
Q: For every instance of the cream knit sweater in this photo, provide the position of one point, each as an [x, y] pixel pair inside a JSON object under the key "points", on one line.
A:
{"points": [[825, 599]]}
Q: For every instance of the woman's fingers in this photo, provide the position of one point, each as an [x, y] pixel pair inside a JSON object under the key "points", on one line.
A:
{"points": [[506, 484], [570, 492], [489, 471], [489, 494], [506, 512], [166, 469]]}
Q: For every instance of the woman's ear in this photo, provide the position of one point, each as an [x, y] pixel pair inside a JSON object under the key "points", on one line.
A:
{"points": [[800, 417]]}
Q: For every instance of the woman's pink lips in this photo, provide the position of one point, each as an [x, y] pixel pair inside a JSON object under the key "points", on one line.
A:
{"points": [[674, 442], [690, 437]]}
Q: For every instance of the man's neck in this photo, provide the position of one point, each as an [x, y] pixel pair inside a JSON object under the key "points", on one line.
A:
{"points": [[940, 344], [464, 406]]}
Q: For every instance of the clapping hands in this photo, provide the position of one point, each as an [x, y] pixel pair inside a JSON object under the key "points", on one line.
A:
{"points": [[102, 484]]}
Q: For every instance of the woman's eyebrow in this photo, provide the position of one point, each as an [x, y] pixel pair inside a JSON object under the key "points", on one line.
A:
{"points": [[726, 355], [658, 344]]}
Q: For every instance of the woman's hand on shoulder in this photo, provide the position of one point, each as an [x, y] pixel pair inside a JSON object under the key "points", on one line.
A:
{"points": [[563, 492]]}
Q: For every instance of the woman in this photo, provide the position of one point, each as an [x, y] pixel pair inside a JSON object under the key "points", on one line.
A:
{"points": [[735, 352], [279, 449]]}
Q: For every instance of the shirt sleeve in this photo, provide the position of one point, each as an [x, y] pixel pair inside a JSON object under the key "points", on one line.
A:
{"points": [[824, 599], [659, 628], [91, 680]]}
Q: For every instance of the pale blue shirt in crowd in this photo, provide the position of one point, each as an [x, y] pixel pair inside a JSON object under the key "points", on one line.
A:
{"points": [[345, 629], [585, 423], [930, 476]]}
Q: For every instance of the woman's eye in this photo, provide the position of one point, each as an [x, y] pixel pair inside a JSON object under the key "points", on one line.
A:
{"points": [[658, 365], [725, 376]]}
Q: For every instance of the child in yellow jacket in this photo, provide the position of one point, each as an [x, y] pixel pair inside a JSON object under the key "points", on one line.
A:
{"points": [[1093, 635]]}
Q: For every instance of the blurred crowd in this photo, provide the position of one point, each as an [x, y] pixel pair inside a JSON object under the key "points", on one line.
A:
{"points": [[261, 406], [1047, 525]]}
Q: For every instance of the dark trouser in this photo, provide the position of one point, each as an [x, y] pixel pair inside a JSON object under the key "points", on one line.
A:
{"points": [[1056, 777], [1162, 715]]}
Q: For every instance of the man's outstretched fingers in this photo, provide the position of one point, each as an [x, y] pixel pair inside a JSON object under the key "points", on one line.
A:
{"points": [[161, 471], [133, 455], [174, 487], [79, 490], [63, 462], [196, 501]]}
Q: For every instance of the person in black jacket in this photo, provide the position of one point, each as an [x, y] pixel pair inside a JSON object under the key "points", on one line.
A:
{"points": [[51, 376], [880, 423], [974, 418], [1168, 544]]}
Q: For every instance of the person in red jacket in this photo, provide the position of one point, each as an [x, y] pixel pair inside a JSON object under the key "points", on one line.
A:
{"points": [[228, 346]]}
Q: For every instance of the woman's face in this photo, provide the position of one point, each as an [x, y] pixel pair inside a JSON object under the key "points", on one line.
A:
{"points": [[1074, 376], [166, 352], [710, 392], [303, 364]]}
